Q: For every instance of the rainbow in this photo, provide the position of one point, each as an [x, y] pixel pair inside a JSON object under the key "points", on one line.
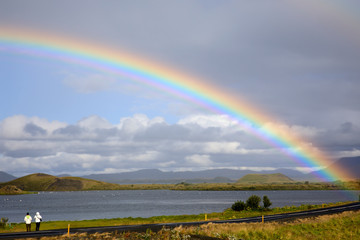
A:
{"points": [[167, 79]]}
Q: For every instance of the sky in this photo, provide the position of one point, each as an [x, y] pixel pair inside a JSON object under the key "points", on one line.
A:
{"points": [[296, 62]]}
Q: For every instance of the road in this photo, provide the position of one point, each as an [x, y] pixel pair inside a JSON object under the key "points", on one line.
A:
{"points": [[156, 227]]}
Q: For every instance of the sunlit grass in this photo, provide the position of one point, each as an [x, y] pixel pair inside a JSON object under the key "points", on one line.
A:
{"points": [[338, 226]]}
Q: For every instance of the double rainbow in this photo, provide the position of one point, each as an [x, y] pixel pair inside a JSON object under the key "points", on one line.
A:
{"points": [[173, 82]]}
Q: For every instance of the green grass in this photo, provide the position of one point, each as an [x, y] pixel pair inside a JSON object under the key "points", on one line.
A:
{"points": [[265, 178], [338, 226]]}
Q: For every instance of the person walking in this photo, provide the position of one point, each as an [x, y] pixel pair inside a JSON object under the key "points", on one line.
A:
{"points": [[28, 220], [38, 220]]}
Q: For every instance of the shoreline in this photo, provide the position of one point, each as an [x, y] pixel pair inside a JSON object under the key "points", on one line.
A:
{"points": [[228, 216]]}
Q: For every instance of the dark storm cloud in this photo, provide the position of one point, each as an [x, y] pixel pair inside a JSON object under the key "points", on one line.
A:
{"points": [[344, 137]]}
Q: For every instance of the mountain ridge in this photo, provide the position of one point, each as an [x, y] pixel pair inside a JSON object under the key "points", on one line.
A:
{"points": [[210, 176], [350, 165], [156, 176], [6, 177]]}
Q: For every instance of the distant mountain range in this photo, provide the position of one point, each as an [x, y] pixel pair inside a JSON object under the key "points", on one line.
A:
{"points": [[209, 176], [148, 176], [5, 177], [350, 165]]}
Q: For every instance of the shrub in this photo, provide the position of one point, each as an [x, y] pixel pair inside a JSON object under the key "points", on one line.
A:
{"points": [[238, 206], [253, 202], [3, 222], [266, 202]]}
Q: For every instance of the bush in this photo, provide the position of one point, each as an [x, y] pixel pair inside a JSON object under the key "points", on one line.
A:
{"points": [[3, 222], [253, 202], [238, 206], [266, 202]]}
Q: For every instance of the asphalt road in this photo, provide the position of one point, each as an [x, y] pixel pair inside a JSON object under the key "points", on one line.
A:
{"points": [[156, 227]]}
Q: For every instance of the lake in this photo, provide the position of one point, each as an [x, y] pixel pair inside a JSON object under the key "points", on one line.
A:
{"points": [[147, 203]]}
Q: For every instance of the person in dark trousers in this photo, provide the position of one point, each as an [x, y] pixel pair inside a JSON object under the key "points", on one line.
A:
{"points": [[38, 220], [28, 220]]}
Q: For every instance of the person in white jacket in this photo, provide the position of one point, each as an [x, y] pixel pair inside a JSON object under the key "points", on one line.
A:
{"points": [[28, 220], [38, 220]]}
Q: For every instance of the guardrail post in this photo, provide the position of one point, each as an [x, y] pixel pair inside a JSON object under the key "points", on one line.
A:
{"points": [[68, 230]]}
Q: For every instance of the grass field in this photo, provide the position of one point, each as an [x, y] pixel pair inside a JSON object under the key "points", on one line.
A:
{"points": [[339, 226]]}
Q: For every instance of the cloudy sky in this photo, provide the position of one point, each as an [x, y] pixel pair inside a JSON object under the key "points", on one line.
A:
{"points": [[296, 61]]}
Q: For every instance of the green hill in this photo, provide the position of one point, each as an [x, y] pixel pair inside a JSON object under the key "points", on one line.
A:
{"points": [[45, 182], [264, 178]]}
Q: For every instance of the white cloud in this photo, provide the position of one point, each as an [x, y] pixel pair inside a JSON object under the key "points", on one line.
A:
{"points": [[229, 148], [94, 145], [143, 157], [13, 127], [137, 123], [350, 153], [307, 169], [167, 164], [199, 160], [207, 121], [94, 122], [283, 130]]}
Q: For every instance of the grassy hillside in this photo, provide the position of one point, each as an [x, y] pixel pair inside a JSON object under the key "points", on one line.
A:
{"points": [[264, 178], [45, 182]]}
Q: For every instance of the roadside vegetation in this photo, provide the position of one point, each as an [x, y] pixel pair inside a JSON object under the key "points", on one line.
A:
{"points": [[337, 226]]}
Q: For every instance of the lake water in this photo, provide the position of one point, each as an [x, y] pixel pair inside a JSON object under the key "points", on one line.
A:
{"points": [[147, 203]]}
